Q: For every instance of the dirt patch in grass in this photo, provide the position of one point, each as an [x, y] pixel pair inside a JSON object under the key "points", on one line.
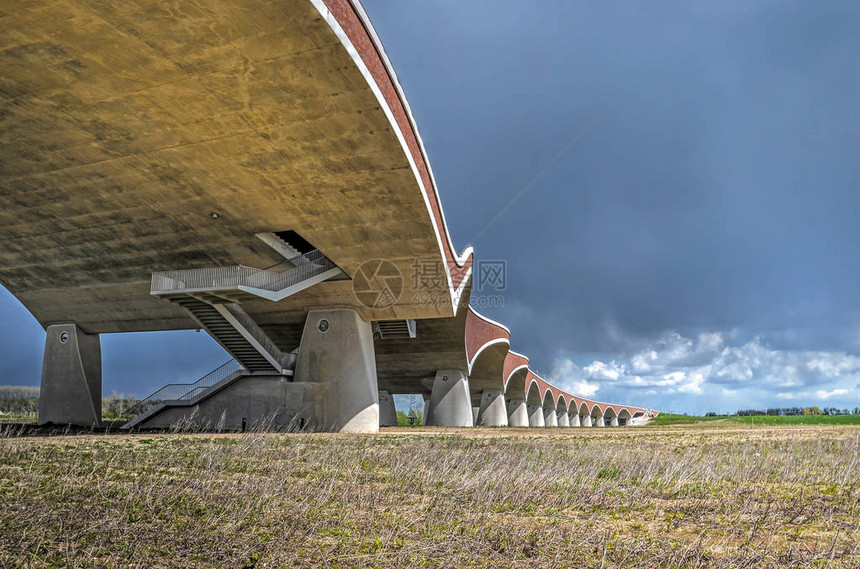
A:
{"points": [[681, 497]]}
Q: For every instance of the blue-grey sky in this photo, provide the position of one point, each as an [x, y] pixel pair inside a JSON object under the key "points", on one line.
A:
{"points": [[695, 249]]}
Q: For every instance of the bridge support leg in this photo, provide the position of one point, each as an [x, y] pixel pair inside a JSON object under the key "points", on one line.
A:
{"points": [[387, 412], [550, 419], [450, 403], [598, 421], [425, 415], [71, 392], [563, 420], [518, 414], [536, 416], [613, 422], [493, 411], [574, 420], [337, 352], [585, 420]]}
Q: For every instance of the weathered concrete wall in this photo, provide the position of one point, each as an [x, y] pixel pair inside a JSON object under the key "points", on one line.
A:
{"points": [[263, 401], [71, 392]]}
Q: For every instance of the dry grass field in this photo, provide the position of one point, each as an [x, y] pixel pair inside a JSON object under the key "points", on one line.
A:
{"points": [[628, 497]]}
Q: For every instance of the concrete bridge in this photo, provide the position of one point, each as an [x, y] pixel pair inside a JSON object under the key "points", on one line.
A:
{"points": [[251, 169]]}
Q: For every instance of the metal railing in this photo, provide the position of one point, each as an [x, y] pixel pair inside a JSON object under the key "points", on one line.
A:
{"points": [[273, 279], [186, 391]]}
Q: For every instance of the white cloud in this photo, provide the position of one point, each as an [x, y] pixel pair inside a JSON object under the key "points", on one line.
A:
{"points": [[708, 365], [821, 394]]}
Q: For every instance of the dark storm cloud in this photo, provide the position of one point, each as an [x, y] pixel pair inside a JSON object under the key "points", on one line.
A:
{"points": [[717, 192]]}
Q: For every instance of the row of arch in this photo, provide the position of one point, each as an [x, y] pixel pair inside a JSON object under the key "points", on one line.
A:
{"points": [[491, 361]]}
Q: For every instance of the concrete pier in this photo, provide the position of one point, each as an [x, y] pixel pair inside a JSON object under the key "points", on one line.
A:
{"points": [[536, 418], [598, 421], [493, 411], [585, 420], [71, 392], [574, 420], [450, 403], [563, 420], [550, 419], [387, 412], [614, 421], [337, 351], [518, 414]]}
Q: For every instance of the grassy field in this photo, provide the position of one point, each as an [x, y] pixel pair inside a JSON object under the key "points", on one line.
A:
{"points": [[670, 419], [627, 497]]}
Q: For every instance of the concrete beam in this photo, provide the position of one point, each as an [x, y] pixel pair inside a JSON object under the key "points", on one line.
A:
{"points": [[71, 392], [493, 411], [337, 351], [518, 414], [536, 416], [450, 403], [387, 412]]}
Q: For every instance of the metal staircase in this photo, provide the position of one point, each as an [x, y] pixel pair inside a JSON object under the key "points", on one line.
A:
{"points": [[239, 336], [211, 297]]}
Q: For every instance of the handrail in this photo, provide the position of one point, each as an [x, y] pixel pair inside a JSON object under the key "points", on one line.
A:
{"points": [[186, 391], [241, 277]]}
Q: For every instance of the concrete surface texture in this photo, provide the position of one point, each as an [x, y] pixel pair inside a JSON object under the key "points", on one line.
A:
{"points": [[536, 416], [450, 403], [493, 411], [337, 352], [71, 390], [387, 411], [518, 414]]}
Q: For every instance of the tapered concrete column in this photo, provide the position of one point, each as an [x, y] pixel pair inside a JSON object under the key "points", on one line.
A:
{"points": [[613, 422], [475, 415], [387, 412], [563, 421], [585, 420], [450, 403], [574, 420], [550, 419], [518, 413], [599, 422], [337, 352], [536, 416], [426, 414], [71, 392], [493, 411]]}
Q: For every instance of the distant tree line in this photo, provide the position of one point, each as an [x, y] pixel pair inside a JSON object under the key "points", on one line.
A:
{"points": [[23, 400], [19, 400], [783, 411]]}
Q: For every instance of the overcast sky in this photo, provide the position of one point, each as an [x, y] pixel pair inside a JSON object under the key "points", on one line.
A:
{"points": [[691, 241]]}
